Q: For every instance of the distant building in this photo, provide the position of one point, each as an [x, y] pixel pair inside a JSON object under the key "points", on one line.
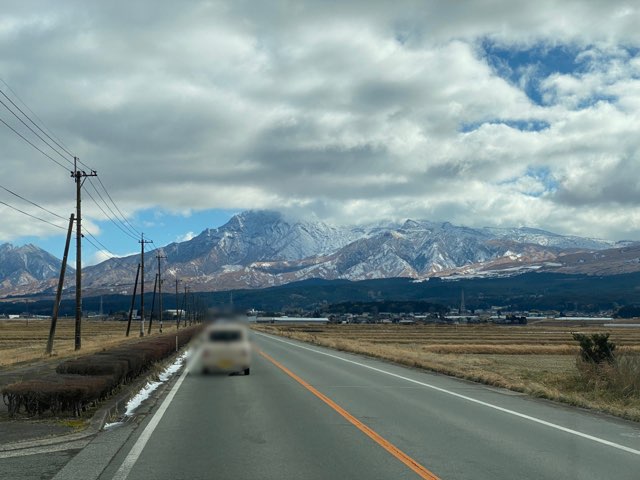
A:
{"points": [[292, 320]]}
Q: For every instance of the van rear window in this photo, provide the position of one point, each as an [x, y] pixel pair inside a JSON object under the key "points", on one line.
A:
{"points": [[226, 336]]}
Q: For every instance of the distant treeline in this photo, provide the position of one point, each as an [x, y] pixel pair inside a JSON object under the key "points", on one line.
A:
{"points": [[387, 306], [539, 291], [628, 311]]}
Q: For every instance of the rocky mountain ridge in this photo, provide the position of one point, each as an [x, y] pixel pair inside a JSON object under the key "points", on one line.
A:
{"points": [[257, 249]]}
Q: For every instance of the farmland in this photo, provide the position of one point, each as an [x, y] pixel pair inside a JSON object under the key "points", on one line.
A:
{"points": [[25, 341], [540, 359]]}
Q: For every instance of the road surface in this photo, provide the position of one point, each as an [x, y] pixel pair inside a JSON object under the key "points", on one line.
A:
{"points": [[307, 412]]}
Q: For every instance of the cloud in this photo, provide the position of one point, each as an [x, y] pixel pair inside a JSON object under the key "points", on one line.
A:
{"points": [[355, 111], [187, 236], [98, 257]]}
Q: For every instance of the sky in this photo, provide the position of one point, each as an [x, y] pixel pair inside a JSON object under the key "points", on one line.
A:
{"points": [[492, 113]]}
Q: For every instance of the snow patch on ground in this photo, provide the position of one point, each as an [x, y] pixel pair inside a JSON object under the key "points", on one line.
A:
{"points": [[146, 391]]}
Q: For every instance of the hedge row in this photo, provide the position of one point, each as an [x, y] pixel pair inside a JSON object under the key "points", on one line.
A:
{"points": [[80, 382]]}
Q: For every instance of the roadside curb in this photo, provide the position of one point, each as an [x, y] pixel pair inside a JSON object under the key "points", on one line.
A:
{"points": [[100, 417]]}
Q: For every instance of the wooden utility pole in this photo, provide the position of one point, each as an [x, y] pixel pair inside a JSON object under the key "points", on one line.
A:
{"points": [[133, 299], [153, 304], [178, 311], [142, 243], [185, 306], [192, 308], [56, 306], [160, 257], [79, 177]]}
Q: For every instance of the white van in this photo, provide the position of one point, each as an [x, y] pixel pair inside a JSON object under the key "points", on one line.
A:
{"points": [[225, 348]]}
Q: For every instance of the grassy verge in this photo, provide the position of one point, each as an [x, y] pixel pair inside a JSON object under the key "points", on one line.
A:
{"points": [[538, 362], [22, 341]]}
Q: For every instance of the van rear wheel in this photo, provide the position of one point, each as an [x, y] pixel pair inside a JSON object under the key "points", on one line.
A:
{"points": [[247, 371]]}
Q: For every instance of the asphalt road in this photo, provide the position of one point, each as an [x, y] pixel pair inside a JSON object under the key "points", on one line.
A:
{"points": [[312, 413]]}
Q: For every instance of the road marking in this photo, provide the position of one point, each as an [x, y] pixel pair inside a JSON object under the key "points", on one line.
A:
{"points": [[388, 446], [132, 457], [464, 397], [59, 447]]}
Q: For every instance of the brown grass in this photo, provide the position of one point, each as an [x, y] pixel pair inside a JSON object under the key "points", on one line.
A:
{"points": [[539, 361], [20, 342]]}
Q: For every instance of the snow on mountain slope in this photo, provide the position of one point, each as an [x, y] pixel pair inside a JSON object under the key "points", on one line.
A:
{"points": [[264, 248], [23, 267]]}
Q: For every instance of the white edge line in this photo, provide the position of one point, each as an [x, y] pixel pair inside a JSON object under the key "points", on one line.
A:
{"points": [[136, 450], [464, 397]]}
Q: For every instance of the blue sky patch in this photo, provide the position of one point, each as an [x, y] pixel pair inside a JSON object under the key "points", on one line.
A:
{"points": [[161, 226], [528, 67], [522, 125], [542, 174]]}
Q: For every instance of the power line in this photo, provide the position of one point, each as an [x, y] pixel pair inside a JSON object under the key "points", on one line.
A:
{"points": [[53, 136], [33, 216], [111, 210], [35, 133], [116, 205], [104, 248], [33, 145], [34, 114], [107, 215], [113, 257], [62, 146], [33, 203], [35, 124]]}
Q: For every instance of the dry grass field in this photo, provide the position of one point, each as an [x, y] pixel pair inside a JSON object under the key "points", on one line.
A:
{"points": [[540, 359], [22, 341]]}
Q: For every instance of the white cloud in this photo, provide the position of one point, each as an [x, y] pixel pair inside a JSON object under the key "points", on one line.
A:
{"points": [[187, 236], [98, 257], [350, 112]]}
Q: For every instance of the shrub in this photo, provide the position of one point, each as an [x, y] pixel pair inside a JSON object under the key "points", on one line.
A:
{"points": [[595, 349], [82, 381], [606, 375], [57, 393]]}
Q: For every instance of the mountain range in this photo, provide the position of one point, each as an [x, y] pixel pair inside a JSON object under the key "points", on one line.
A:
{"points": [[257, 249], [26, 269]]}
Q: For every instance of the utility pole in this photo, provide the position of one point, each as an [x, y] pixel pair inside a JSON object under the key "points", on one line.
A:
{"points": [[56, 306], [185, 306], [79, 177], [133, 300], [178, 311], [142, 243], [153, 304], [160, 257], [192, 308]]}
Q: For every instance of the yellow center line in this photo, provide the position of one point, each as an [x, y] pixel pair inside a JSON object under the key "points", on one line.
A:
{"points": [[388, 446]]}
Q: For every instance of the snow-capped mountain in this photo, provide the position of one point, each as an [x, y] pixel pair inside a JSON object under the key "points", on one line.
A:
{"points": [[25, 266], [264, 248], [420, 249], [548, 239], [230, 251]]}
